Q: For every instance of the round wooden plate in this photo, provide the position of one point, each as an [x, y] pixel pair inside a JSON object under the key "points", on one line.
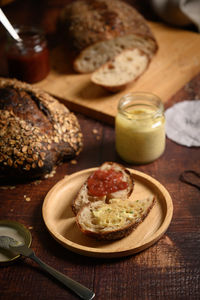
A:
{"points": [[60, 220]]}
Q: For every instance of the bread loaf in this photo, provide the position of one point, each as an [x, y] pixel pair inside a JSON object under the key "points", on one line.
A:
{"points": [[113, 220], [109, 174], [98, 30], [36, 131], [126, 67]]}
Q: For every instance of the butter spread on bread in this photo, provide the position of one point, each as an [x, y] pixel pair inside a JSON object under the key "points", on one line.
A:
{"points": [[113, 220]]}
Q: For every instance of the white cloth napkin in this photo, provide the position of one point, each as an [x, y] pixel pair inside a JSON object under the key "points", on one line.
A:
{"points": [[178, 12], [191, 8], [183, 123]]}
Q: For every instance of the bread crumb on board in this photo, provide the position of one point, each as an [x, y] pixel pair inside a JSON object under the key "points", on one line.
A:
{"points": [[36, 182], [96, 132], [8, 187], [73, 161], [28, 199], [51, 174]]}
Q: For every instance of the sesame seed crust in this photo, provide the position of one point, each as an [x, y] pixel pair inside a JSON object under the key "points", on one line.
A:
{"points": [[36, 131]]}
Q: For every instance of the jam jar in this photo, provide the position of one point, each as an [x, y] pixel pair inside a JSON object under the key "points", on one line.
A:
{"points": [[28, 60], [140, 128]]}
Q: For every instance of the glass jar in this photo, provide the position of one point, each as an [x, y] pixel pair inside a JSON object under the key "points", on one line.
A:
{"points": [[140, 128], [28, 60]]}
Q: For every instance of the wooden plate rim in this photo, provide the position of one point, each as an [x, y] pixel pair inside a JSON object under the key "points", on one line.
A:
{"points": [[89, 251]]}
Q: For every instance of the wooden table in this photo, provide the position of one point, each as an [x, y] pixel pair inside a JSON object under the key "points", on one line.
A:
{"points": [[170, 269]]}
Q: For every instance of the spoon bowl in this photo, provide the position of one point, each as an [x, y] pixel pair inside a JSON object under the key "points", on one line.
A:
{"points": [[18, 247], [17, 231]]}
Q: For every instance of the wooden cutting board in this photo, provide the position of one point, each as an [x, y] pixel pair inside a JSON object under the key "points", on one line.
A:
{"points": [[176, 62]]}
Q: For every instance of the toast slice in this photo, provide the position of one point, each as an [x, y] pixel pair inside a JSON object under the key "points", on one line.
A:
{"points": [[113, 220], [91, 190], [125, 68]]}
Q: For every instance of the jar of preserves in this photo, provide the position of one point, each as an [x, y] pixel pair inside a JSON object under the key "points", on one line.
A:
{"points": [[28, 60], [140, 128]]}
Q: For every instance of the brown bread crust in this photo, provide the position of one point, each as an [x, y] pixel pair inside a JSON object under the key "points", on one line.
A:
{"points": [[101, 20], [36, 131], [114, 234]]}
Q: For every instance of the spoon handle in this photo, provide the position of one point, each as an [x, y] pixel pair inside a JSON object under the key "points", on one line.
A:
{"points": [[78, 288], [8, 26]]}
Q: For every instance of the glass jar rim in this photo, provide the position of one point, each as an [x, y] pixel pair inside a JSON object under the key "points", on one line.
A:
{"points": [[37, 34], [145, 99]]}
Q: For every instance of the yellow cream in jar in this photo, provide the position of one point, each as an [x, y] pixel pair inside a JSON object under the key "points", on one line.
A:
{"points": [[140, 128]]}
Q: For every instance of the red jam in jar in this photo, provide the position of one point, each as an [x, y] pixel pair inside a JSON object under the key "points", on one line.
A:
{"points": [[105, 182], [28, 60]]}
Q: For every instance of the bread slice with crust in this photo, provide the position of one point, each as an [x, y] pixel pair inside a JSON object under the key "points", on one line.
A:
{"points": [[84, 197], [95, 56], [102, 30], [113, 220], [125, 68]]}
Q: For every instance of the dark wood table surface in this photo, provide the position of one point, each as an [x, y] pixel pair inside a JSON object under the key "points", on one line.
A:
{"points": [[170, 269]]}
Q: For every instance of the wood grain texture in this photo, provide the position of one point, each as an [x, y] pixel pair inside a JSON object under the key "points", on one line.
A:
{"points": [[60, 220], [158, 272], [175, 63], [170, 269]]}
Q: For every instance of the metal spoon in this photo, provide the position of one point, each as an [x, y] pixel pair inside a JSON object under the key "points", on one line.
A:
{"points": [[17, 247], [9, 27]]}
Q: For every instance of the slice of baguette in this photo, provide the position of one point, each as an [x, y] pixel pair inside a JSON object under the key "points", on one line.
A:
{"points": [[126, 67], [84, 198], [113, 220]]}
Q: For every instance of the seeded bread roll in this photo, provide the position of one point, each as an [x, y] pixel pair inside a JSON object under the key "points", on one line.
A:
{"points": [[102, 30], [36, 131], [113, 220], [126, 67], [84, 197]]}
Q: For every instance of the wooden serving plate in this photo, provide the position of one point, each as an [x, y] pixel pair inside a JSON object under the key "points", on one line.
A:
{"points": [[60, 220]]}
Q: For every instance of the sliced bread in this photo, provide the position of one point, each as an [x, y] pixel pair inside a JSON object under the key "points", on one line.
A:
{"points": [[102, 30], [110, 180], [126, 67], [97, 55], [113, 220]]}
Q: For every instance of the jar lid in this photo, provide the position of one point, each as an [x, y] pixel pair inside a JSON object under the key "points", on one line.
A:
{"points": [[17, 231]]}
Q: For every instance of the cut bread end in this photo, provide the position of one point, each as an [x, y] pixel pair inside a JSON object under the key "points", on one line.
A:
{"points": [[125, 68], [113, 220], [96, 55]]}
